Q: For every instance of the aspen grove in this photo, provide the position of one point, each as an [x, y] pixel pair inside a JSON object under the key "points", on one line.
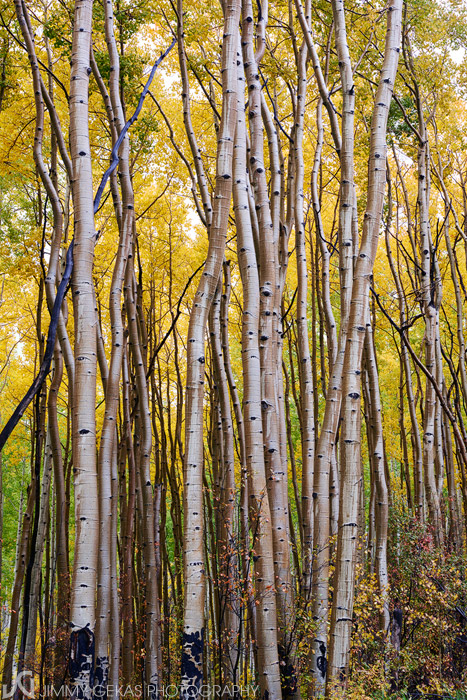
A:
{"points": [[233, 318]]}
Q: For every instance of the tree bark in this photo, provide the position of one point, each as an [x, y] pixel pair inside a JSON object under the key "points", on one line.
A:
{"points": [[342, 607], [193, 628], [84, 415]]}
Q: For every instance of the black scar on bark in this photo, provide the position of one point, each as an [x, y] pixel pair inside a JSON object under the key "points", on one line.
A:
{"points": [[101, 676], [398, 617], [321, 661], [81, 660], [192, 662], [289, 682]]}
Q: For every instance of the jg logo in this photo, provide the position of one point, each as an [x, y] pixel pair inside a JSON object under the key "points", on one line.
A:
{"points": [[22, 687]]}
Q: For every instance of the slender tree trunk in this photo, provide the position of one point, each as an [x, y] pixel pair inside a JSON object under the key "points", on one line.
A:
{"points": [[342, 607], [143, 447], [379, 475], [193, 630], [24, 531], [107, 448], [30, 658], [305, 373], [431, 300], [269, 327], [405, 360], [260, 517], [326, 449], [127, 531], [226, 545], [84, 415]]}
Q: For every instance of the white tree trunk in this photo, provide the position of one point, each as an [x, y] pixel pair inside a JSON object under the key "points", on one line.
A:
{"points": [[342, 607], [193, 625]]}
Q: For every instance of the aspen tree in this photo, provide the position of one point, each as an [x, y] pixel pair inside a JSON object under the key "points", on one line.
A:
{"points": [[127, 526], [62, 343], [193, 629], [260, 517], [243, 526], [34, 595], [82, 611], [303, 346], [143, 446], [269, 328], [377, 456], [403, 314], [24, 538], [430, 294], [326, 449], [225, 497], [455, 530], [107, 448], [342, 605], [325, 469]]}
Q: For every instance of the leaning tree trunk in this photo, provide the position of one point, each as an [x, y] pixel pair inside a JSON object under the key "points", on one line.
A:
{"points": [[143, 446], [265, 621], [430, 302], [376, 460], [342, 606], [325, 454], [305, 373], [30, 659], [124, 209], [269, 329], [225, 507]]}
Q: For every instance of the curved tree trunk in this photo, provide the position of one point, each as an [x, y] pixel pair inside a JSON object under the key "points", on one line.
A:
{"points": [[305, 373], [430, 300], [342, 605], [260, 518], [269, 328], [225, 507], [376, 459]]}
